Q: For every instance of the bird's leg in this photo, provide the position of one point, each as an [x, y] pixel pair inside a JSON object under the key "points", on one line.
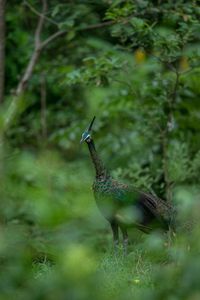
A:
{"points": [[125, 240], [115, 231]]}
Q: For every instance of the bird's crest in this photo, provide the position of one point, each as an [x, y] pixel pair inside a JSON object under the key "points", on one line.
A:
{"points": [[86, 136], [91, 124]]}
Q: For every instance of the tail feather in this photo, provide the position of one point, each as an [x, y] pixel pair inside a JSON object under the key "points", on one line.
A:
{"points": [[149, 202], [157, 206]]}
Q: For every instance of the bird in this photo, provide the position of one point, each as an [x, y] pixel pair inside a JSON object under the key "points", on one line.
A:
{"points": [[122, 204]]}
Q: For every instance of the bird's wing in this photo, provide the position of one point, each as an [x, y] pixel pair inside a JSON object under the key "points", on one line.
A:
{"points": [[158, 207], [148, 201]]}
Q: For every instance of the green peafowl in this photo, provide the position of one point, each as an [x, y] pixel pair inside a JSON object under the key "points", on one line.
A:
{"points": [[123, 205]]}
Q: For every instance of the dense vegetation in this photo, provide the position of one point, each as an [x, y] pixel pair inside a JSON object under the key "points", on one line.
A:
{"points": [[136, 66]]}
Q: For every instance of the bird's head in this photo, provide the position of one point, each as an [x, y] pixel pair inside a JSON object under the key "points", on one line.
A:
{"points": [[86, 136]]}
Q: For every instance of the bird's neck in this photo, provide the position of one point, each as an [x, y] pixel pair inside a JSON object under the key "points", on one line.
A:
{"points": [[98, 164]]}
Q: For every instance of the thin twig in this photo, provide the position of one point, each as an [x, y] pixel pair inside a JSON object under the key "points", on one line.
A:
{"points": [[170, 67], [52, 37], [39, 14], [98, 25], [63, 32]]}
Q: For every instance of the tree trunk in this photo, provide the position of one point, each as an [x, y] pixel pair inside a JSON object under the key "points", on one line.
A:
{"points": [[2, 49]]}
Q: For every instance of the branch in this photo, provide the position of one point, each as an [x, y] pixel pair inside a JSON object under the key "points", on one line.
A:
{"points": [[52, 38], [170, 67], [98, 25], [28, 72], [39, 14], [35, 55], [63, 32], [13, 107], [40, 25], [93, 26]]}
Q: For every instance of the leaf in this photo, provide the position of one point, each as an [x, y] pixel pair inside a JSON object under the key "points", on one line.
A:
{"points": [[137, 23], [71, 35]]}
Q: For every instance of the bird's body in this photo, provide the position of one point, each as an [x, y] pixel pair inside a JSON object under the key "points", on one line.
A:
{"points": [[113, 198], [123, 205]]}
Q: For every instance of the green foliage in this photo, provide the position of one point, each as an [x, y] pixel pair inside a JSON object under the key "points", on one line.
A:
{"points": [[96, 70], [134, 64]]}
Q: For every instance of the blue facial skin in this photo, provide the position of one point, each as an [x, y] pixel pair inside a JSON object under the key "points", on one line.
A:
{"points": [[85, 136]]}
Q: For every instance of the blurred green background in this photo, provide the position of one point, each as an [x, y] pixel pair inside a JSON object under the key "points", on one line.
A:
{"points": [[136, 66]]}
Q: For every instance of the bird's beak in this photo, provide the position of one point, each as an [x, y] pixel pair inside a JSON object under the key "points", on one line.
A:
{"points": [[81, 141]]}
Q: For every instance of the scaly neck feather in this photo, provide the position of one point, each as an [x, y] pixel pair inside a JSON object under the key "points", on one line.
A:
{"points": [[98, 164]]}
